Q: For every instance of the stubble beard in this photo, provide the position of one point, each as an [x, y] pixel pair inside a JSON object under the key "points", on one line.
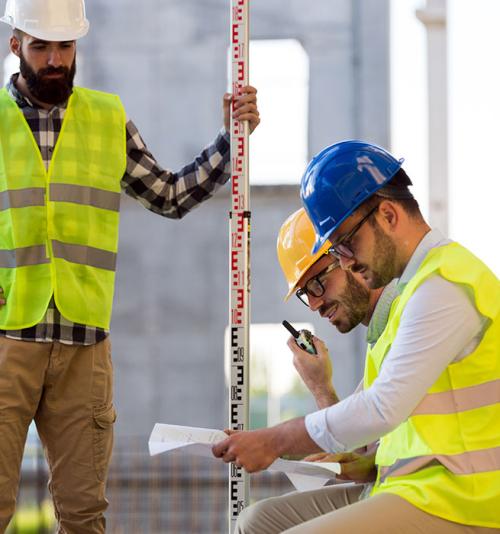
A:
{"points": [[384, 260], [355, 300]]}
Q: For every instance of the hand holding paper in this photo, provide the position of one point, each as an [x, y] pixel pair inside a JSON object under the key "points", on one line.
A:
{"points": [[200, 442]]}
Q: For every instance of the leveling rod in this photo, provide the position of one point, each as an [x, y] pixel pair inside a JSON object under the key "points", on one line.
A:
{"points": [[239, 259]]}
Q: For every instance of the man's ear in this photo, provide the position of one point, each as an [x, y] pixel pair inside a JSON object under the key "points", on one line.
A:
{"points": [[15, 45], [389, 214]]}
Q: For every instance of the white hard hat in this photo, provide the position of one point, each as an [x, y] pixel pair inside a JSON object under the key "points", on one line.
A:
{"points": [[49, 20]]}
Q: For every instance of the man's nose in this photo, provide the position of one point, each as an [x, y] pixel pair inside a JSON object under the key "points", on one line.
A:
{"points": [[346, 263], [315, 302], [55, 59]]}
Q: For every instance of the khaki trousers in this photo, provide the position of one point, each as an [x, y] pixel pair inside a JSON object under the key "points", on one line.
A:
{"points": [[336, 510], [68, 391]]}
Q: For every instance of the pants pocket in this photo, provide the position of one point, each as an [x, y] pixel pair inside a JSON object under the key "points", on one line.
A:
{"points": [[104, 418]]}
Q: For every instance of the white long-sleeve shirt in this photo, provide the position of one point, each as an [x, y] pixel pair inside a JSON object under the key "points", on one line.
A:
{"points": [[439, 325]]}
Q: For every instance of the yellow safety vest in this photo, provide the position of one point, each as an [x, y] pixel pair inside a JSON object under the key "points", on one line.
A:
{"points": [[445, 458], [59, 228]]}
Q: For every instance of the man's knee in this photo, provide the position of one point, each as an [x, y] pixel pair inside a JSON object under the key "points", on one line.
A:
{"points": [[255, 518]]}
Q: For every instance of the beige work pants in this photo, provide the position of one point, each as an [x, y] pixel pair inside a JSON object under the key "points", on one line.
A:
{"points": [[68, 391], [336, 510]]}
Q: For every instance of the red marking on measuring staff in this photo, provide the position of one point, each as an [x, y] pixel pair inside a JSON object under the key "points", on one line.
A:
{"points": [[237, 14], [239, 236], [236, 33], [241, 146], [237, 316], [240, 298], [238, 164], [235, 184]]}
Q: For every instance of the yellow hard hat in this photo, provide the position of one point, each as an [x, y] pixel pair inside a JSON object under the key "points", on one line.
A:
{"points": [[295, 242]]}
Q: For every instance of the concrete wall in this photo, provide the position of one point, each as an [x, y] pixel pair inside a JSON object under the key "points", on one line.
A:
{"points": [[167, 60]]}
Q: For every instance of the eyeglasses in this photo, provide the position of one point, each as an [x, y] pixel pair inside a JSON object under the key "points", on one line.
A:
{"points": [[342, 248], [314, 286]]}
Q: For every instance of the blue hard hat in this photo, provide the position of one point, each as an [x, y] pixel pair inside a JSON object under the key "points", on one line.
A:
{"points": [[339, 179]]}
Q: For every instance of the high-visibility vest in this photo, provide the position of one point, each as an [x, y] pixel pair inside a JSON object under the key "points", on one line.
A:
{"points": [[445, 458], [59, 228]]}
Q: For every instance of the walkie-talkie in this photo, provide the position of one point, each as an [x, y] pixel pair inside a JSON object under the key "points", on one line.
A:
{"points": [[304, 338]]}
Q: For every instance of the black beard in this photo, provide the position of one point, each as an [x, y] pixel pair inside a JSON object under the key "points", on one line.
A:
{"points": [[384, 269], [49, 91]]}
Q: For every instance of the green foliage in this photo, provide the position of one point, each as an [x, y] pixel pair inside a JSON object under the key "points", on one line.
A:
{"points": [[30, 519]]}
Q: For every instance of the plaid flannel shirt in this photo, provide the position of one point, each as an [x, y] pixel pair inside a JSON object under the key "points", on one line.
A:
{"points": [[170, 194]]}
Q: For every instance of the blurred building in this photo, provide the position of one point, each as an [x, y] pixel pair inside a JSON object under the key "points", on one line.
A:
{"points": [[168, 61]]}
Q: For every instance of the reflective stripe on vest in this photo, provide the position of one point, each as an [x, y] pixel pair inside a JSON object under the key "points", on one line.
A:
{"points": [[22, 198], [87, 196], [445, 458], [94, 257], [449, 402], [59, 226], [35, 196], [37, 255], [22, 257], [459, 400], [467, 463]]}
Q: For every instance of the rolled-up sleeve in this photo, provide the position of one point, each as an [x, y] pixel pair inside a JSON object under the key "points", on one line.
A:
{"points": [[439, 325], [174, 194]]}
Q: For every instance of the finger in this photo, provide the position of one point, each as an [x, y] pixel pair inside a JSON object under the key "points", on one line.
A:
{"points": [[319, 342], [249, 89], [246, 99], [292, 345], [320, 346], [315, 457], [247, 108], [219, 449], [229, 457], [248, 117], [339, 458]]}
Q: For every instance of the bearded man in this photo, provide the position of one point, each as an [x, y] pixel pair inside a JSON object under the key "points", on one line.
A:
{"points": [[66, 155]]}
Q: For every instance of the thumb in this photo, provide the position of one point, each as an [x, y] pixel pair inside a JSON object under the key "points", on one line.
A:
{"points": [[320, 344], [226, 107], [340, 457]]}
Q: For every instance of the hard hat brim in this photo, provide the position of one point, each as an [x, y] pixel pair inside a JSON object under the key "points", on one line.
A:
{"points": [[57, 36]]}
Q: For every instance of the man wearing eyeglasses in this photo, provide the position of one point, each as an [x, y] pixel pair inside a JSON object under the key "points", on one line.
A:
{"points": [[432, 380], [339, 296], [344, 300]]}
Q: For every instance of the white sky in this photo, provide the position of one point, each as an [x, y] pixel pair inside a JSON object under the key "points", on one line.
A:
{"points": [[474, 115]]}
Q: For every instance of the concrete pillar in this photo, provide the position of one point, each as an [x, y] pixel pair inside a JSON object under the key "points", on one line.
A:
{"points": [[433, 16]]}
